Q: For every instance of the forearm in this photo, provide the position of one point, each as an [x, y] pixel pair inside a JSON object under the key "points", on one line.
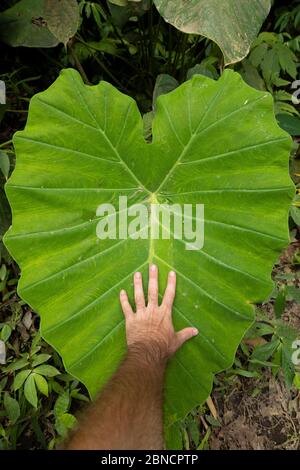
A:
{"points": [[128, 413]]}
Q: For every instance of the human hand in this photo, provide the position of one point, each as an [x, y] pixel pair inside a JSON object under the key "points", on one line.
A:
{"points": [[151, 325]]}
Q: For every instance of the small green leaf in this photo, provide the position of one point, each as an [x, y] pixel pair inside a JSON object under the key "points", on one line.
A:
{"points": [[297, 381], [3, 383], [6, 332], [40, 359], [56, 387], [270, 65], [193, 431], [257, 54], [295, 214], [206, 68], [41, 383], [287, 364], [64, 423], [251, 75], [30, 391], [79, 396], [286, 332], [262, 363], [68, 420], [259, 329], [164, 84], [62, 404], [265, 351], [48, 371], [268, 38], [204, 445], [279, 304], [20, 378], [11, 407], [245, 373], [287, 60], [4, 164], [245, 349], [293, 293], [214, 422], [290, 124], [19, 364], [105, 45], [3, 272]]}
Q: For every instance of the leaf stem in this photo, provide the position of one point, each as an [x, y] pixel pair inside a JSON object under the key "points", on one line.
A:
{"points": [[8, 142], [78, 64], [111, 75], [150, 35]]}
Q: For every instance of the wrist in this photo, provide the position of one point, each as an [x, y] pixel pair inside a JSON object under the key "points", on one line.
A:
{"points": [[149, 353]]}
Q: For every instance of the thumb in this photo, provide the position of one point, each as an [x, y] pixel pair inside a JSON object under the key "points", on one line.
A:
{"points": [[184, 335]]}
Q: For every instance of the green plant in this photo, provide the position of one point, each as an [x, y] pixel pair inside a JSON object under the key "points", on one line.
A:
{"points": [[272, 65], [273, 55], [37, 397], [76, 289], [46, 23], [273, 350], [22, 410], [288, 17]]}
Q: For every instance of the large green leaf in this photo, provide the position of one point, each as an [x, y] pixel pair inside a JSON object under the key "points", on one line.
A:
{"points": [[23, 25], [214, 142], [39, 23], [232, 24]]}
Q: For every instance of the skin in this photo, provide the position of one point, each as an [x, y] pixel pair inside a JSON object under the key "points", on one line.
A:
{"points": [[129, 411]]}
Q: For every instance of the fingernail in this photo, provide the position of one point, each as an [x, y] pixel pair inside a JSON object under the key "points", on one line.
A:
{"points": [[153, 267], [195, 331], [172, 273], [122, 292], [137, 275]]}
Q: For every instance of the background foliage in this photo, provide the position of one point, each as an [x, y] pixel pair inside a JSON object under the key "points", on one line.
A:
{"points": [[130, 45]]}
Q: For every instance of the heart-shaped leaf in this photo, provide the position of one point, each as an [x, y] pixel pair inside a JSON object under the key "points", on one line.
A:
{"points": [[24, 25], [39, 23], [232, 24], [215, 143]]}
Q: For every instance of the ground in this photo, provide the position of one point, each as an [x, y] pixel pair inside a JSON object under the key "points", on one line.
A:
{"points": [[268, 421], [262, 414]]}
